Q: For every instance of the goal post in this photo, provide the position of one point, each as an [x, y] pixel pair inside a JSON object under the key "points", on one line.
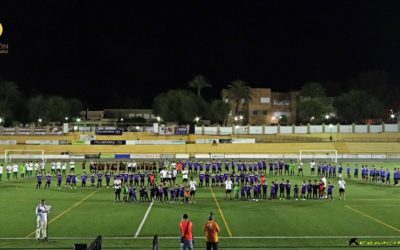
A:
{"points": [[319, 154], [22, 154]]}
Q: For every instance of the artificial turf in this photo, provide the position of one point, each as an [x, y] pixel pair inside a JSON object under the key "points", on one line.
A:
{"points": [[370, 213]]}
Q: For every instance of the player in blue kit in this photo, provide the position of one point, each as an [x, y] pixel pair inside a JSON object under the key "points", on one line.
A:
{"points": [[242, 193], [48, 181], [108, 179], [207, 179], [248, 192], [330, 191], [201, 179], [38, 180], [303, 190], [73, 180], [273, 191], [356, 171], [131, 194], [282, 190], [83, 180], [288, 186], [296, 192], [92, 179], [309, 189], [348, 169], [59, 180], [100, 179], [68, 181], [387, 176], [264, 190]]}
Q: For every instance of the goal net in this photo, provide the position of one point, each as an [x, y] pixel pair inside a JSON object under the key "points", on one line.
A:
{"points": [[322, 154], [12, 155]]}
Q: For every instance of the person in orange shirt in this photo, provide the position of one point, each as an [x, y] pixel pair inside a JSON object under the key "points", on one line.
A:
{"points": [[185, 227], [212, 229]]}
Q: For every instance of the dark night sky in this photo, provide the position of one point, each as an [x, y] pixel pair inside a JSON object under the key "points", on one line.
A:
{"points": [[94, 51]]}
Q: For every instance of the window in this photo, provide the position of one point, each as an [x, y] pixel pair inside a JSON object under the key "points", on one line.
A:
{"points": [[265, 100], [264, 112], [281, 102], [255, 112]]}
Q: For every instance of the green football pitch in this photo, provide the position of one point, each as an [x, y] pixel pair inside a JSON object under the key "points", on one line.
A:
{"points": [[370, 213]]}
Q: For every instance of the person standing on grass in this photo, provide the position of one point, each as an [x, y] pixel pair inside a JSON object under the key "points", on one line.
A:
{"points": [[185, 227], [192, 185], [212, 229], [342, 187], [1, 171], [41, 211], [117, 189], [228, 188]]}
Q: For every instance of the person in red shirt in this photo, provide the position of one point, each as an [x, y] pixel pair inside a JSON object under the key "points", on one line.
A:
{"points": [[185, 227], [212, 229]]}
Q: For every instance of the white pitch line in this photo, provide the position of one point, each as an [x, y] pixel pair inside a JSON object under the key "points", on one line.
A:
{"points": [[221, 237], [144, 220]]}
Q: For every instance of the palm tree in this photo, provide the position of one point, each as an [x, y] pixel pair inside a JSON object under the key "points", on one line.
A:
{"points": [[237, 91], [199, 82]]}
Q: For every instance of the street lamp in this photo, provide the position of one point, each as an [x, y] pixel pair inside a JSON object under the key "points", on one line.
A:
{"points": [[66, 118], [78, 119], [40, 121], [237, 130], [122, 119], [197, 119], [1, 120], [137, 132], [158, 118]]}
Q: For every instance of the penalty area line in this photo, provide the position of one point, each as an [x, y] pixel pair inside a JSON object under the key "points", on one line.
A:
{"points": [[222, 215], [372, 218], [143, 220]]}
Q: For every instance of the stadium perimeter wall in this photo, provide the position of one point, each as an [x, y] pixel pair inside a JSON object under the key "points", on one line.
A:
{"points": [[341, 147]]}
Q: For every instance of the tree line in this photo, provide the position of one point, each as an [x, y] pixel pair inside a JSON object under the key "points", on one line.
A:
{"points": [[365, 98], [15, 108]]}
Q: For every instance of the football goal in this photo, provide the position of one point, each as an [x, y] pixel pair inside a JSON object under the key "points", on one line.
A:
{"points": [[321, 154], [13, 154]]}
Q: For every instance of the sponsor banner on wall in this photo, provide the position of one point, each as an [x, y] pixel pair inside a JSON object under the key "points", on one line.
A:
{"points": [[224, 140], [181, 130], [79, 142], [167, 156], [244, 140], [107, 156], [145, 156], [8, 142], [42, 142], [92, 156], [182, 156], [217, 156], [155, 142], [64, 142], [108, 131], [108, 142], [122, 156]]}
